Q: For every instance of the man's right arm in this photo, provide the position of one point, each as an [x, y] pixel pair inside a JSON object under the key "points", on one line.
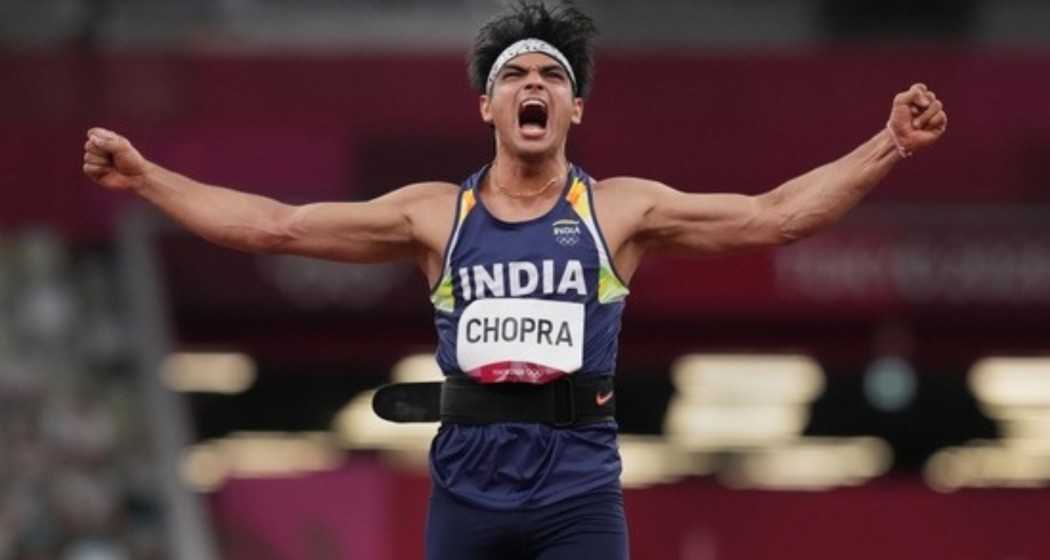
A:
{"points": [[378, 230]]}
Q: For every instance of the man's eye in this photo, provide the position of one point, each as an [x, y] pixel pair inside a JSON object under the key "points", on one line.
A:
{"points": [[556, 76]]}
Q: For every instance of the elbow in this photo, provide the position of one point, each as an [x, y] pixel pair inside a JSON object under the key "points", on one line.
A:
{"points": [[270, 244], [796, 227], [784, 224], [273, 235], [788, 238], [788, 232], [792, 228], [254, 241], [778, 226], [279, 233]]}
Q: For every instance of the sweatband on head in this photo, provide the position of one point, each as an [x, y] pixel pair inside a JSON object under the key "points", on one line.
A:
{"points": [[526, 46]]}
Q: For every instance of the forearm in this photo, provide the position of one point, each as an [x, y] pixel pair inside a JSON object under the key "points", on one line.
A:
{"points": [[238, 220], [822, 196]]}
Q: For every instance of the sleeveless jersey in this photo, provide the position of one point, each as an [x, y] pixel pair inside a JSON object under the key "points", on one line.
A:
{"points": [[527, 302]]}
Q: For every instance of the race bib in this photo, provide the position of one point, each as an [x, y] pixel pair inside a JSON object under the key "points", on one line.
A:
{"points": [[520, 340]]}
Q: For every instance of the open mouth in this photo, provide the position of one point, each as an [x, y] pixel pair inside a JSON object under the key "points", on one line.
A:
{"points": [[532, 117]]}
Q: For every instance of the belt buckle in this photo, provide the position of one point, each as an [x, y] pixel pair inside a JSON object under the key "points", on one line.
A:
{"points": [[566, 382]]}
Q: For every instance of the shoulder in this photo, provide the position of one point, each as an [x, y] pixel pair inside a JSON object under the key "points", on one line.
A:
{"points": [[430, 207], [627, 186], [630, 191], [623, 203], [430, 192], [421, 200]]}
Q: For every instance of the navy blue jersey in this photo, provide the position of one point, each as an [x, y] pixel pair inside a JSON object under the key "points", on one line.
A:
{"points": [[527, 302]]}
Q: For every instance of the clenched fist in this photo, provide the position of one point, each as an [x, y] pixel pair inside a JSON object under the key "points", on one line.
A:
{"points": [[111, 161], [917, 119]]}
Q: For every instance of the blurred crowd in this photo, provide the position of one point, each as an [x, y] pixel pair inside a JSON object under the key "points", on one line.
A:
{"points": [[77, 478]]}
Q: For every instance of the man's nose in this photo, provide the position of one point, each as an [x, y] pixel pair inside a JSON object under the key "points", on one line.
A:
{"points": [[534, 80]]}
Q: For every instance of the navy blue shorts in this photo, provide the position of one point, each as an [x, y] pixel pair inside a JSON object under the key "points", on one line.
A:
{"points": [[591, 525]]}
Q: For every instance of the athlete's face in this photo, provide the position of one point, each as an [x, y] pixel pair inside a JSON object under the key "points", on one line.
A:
{"points": [[532, 105]]}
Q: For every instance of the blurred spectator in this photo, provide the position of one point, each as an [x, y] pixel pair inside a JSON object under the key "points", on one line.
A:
{"points": [[77, 478]]}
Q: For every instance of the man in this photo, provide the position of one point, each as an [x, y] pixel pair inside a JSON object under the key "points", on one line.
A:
{"points": [[528, 289]]}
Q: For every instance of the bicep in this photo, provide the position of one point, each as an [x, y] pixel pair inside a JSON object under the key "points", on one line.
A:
{"points": [[707, 223], [345, 231], [378, 230]]}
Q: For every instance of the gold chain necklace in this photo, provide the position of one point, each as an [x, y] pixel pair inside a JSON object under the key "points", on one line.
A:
{"points": [[530, 194]]}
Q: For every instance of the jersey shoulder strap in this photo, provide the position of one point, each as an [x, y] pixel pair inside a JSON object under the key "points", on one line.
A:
{"points": [[611, 288], [442, 296]]}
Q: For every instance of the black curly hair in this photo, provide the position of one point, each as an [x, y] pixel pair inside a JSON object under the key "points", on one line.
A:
{"points": [[564, 26]]}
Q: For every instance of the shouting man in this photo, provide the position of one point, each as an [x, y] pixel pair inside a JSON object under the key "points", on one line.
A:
{"points": [[529, 262]]}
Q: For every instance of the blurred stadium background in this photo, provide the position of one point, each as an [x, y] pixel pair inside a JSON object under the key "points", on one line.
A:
{"points": [[879, 391]]}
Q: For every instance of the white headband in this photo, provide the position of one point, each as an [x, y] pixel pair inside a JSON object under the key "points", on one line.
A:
{"points": [[525, 46]]}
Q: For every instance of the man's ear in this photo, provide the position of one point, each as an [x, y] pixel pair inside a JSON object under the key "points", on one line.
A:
{"points": [[485, 108], [577, 110]]}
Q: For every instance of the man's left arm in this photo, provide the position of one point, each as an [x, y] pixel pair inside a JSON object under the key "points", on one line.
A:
{"points": [[722, 223]]}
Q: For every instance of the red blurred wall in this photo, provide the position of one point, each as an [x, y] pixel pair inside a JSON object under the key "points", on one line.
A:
{"points": [[338, 126]]}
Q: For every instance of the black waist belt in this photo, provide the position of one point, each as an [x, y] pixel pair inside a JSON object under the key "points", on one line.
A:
{"points": [[460, 400]]}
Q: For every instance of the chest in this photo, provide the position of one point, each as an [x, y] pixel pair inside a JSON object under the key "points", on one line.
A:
{"points": [[554, 257]]}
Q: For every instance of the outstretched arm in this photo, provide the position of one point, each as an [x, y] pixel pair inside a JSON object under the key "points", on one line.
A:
{"points": [[377, 230], [720, 223]]}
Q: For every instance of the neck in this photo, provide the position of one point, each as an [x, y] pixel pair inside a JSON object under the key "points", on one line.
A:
{"points": [[516, 177]]}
